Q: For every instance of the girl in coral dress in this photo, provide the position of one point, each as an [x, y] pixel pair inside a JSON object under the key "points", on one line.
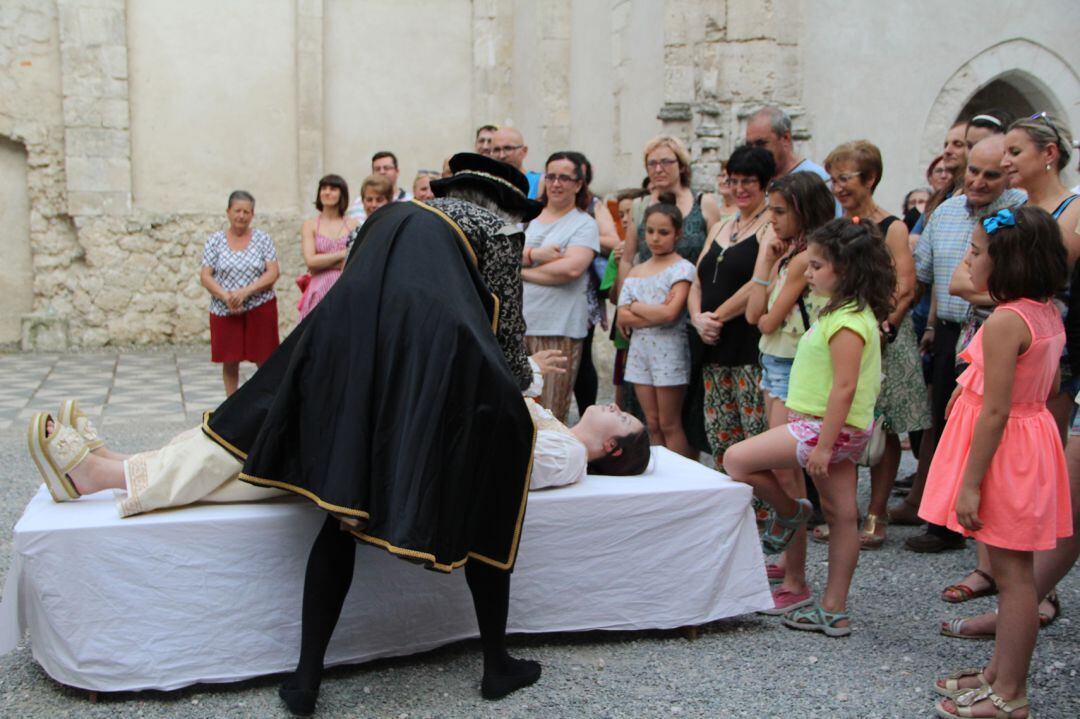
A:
{"points": [[1016, 500]]}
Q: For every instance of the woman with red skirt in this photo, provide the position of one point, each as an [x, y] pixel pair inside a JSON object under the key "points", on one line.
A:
{"points": [[239, 268]]}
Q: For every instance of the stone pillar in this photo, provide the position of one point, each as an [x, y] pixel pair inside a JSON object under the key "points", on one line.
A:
{"points": [[97, 137], [554, 49], [493, 61], [309, 97], [723, 60]]}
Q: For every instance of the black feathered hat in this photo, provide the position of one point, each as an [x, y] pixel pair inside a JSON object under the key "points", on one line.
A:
{"points": [[504, 183]]}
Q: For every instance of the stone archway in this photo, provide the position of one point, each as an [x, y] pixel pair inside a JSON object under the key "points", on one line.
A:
{"points": [[16, 260], [1019, 72]]}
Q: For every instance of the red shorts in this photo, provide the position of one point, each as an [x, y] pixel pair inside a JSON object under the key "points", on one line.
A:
{"points": [[250, 336]]}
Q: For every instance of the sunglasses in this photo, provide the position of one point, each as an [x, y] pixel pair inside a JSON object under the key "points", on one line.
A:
{"points": [[1046, 118]]}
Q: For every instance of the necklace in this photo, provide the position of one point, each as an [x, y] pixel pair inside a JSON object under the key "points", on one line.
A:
{"points": [[738, 224], [734, 240]]}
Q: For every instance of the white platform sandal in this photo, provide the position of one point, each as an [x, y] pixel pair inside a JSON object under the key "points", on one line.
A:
{"points": [[72, 416], [56, 455]]}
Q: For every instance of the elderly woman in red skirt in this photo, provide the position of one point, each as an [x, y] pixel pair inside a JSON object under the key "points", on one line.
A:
{"points": [[239, 268]]}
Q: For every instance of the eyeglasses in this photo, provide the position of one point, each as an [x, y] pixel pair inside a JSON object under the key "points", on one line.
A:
{"points": [[657, 164], [551, 178], [505, 149], [1046, 118], [843, 178], [742, 181], [941, 171]]}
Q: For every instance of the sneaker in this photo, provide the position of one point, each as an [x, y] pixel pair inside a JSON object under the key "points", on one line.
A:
{"points": [[784, 601]]}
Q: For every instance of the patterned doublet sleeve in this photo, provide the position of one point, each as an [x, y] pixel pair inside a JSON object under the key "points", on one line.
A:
{"points": [[500, 265]]}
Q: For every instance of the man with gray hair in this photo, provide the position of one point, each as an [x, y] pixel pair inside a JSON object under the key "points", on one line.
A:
{"points": [[770, 128]]}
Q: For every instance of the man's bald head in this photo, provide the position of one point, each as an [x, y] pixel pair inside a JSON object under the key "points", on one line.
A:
{"points": [[985, 179], [509, 146]]}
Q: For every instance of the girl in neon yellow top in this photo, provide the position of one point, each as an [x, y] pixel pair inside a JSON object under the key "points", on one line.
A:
{"points": [[831, 394]]}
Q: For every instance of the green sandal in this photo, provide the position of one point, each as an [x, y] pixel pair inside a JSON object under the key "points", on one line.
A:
{"points": [[815, 619], [775, 543]]}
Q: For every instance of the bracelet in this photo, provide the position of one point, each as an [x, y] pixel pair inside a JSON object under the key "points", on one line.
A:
{"points": [[758, 281]]}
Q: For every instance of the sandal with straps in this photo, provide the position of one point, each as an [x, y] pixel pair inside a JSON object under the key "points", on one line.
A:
{"points": [[813, 618], [56, 455], [868, 536], [1045, 619], [952, 688], [775, 543], [966, 593], [72, 416], [955, 628], [968, 699]]}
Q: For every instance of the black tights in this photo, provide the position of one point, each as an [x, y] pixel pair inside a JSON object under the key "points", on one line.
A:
{"points": [[329, 575]]}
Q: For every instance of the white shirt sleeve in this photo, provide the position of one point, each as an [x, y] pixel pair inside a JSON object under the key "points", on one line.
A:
{"points": [[558, 460]]}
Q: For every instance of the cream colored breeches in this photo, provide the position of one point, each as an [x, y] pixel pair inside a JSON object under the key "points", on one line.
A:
{"points": [[190, 468]]}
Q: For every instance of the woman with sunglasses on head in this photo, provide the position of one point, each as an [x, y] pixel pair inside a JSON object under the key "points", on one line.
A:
{"points": [[560, 245], [1037, 150]]}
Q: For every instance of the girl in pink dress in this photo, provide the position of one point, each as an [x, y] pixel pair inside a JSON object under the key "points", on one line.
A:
{"points": [[1015, 501], [323, 239]]}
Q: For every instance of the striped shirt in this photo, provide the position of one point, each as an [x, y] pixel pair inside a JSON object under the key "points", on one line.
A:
{"points": [[944, 243]]}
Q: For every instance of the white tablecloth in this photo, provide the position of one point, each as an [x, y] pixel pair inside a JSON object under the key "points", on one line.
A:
{"points": [[212, 593]]}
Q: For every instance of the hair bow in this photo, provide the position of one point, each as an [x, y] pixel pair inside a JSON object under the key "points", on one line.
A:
{"points": [[1003, 218]]}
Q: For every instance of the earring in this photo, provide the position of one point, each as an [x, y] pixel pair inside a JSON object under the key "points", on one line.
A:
{"points": [[1048, 167]]}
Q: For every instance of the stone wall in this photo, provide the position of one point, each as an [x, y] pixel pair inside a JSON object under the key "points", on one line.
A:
{"points": [[134, 119], [724, 59]]}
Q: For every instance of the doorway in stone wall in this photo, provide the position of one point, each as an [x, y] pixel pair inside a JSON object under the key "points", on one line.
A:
{"points": [[16, 268], [1012, 93]]}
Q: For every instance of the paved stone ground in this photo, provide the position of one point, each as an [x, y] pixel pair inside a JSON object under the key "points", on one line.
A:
{"points": [[743, 667]]}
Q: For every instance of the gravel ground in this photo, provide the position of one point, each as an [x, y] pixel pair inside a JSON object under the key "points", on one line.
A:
{"points": [[748, 666]]}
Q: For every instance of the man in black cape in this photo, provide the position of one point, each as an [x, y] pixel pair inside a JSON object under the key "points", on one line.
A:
{"points": [[396, 406]]}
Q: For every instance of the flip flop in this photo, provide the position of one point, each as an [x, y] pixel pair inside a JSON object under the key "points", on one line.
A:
{"points": [[967, 593]]}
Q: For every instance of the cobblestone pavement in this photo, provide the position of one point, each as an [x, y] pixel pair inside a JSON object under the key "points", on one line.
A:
{"points": [[742, 667]]}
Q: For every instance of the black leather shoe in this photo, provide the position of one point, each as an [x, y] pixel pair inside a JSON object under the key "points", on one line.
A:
{"points": [[927, 543]]}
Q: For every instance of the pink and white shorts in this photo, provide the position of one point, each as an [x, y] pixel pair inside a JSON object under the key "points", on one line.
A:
{"points": [[849, 445]]}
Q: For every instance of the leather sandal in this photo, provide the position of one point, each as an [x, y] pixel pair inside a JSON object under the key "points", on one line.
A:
{"points": [[72, 416], [1046, 620], [868, 536], [968, 699], [774, 542], [959, 593], [950, 686], [56, 455]]}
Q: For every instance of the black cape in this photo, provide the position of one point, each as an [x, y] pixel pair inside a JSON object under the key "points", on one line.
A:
{"points": [[392, 402]]}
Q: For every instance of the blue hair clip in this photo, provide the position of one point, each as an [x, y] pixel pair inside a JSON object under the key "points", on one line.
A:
{"points": [[1003, 218]]}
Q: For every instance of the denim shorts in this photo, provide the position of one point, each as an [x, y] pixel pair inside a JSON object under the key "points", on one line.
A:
{"points": [[775, 373]]}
